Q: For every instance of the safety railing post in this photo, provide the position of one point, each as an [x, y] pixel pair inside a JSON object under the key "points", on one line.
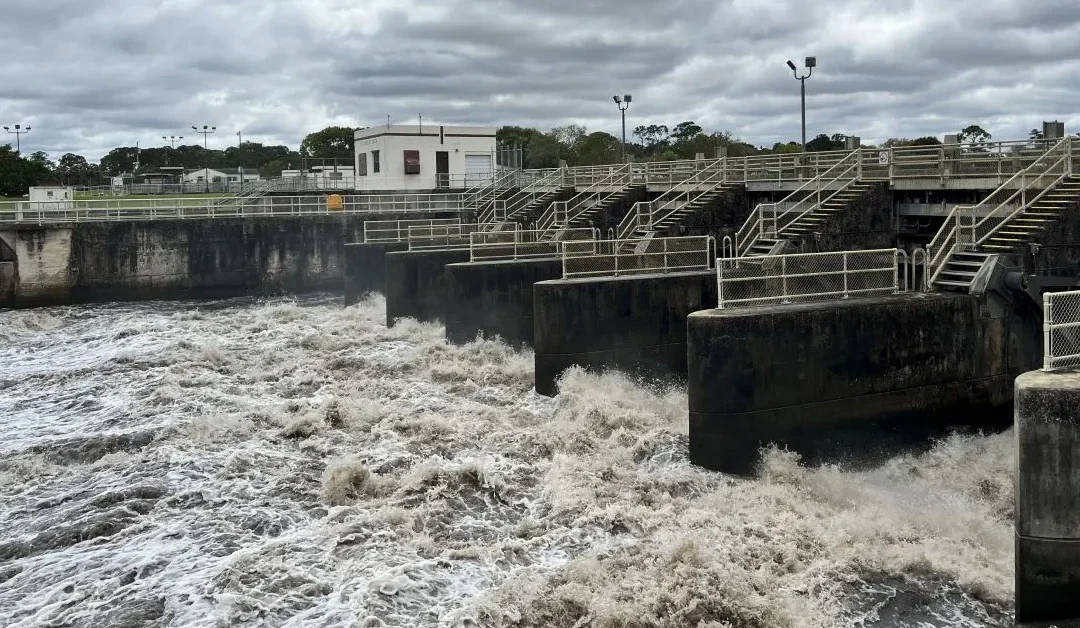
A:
{"points": [[1048, 316], [846, 294], [665, 255], [783, 275]]}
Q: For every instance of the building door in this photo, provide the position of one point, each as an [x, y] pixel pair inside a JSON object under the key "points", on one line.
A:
{"points": [[477, 169], [442, 168]]}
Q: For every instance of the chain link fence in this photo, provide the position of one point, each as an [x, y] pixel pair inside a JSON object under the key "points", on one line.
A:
{"points": [[1061, 330], [637, 256], [781, 279]]}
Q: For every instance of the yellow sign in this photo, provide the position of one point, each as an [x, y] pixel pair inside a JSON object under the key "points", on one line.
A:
{"points": [[335, 203]]}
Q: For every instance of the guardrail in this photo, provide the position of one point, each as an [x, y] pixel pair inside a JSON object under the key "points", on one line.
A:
{"points": [[638, 256], [799, 277], [398, 230], [1061, 330], [493, 246], [441, 237], [113, 209]]}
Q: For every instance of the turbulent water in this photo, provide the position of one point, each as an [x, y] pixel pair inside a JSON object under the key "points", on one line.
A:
{"points": [[296, 463]]}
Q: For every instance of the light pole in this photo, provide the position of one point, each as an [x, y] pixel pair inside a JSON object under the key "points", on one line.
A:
{"points": [[18, 132], [240, 157], [206, 130], [811, 63], [172, 140], [623, 104]]}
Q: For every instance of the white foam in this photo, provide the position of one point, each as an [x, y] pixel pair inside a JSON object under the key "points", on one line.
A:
{"points": [[319, 469]]}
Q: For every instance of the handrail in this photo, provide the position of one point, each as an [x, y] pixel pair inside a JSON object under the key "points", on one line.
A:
{"points": [[616, 258], [398, 230], [529, 193], [639, 216], [483, 201], [579, 203], [755, 225]]}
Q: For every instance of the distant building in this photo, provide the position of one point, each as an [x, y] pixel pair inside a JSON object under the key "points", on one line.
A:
{"points": [[221, 175], [411, 157]]}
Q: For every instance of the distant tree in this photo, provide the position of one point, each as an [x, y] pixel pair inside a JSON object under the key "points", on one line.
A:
{"points": [[73, 169], [333, 142], [569, 135], [1035, 134], [894, 142], [790, 147], [272, 169], [654, 137], [513, 136], [974, 135], [543, 151], [597, 148], [684, 132], [824, 142]]}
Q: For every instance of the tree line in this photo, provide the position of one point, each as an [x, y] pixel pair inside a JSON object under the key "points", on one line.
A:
{"points": [[18, 173]]}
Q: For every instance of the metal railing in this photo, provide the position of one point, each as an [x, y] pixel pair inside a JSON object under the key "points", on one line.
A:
{"points": [[603, 187], [799, 277], [636, 221], [113, 209], [769, 220], [617, 258], [533, 191], [517, 245], [441, 237], [484, 199], [398, 230], [1061, 330], [687, 191]]}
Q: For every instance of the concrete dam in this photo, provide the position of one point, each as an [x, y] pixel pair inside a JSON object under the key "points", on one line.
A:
{"points": [[837, 305]]}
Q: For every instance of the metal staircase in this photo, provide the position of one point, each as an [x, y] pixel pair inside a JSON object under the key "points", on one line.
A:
{"points": [[804, 211], [690, 195], [535, 195], [1008, 219], [579, 210]]}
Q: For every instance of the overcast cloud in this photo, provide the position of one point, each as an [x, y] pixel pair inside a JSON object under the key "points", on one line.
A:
{"points": [[89, 75]]}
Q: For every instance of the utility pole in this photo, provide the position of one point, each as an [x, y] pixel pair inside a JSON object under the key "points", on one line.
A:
{"points": [[18, 132], [811, 63], [623, 104], [206, 130]]}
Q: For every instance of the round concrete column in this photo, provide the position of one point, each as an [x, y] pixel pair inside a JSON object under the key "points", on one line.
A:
{"points": [[1048, 496]]}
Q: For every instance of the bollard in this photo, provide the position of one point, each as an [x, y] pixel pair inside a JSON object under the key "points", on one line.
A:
{"points": [[1047, 413]]}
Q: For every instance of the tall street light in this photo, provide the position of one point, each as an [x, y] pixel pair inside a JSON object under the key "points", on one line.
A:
{"points": [[172, 139], [240, 157], [206, 130], [623, 104], [18, 132], [811, 63]]}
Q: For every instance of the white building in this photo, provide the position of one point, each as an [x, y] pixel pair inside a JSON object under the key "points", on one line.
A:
{"points": [[51, 197], [221, 175], [411, 157]]}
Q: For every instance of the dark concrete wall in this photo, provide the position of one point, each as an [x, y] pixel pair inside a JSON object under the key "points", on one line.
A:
{"points": [[868, 223], [1058, 252], [8, 283], [495, 299], [365, 268], [1047, 500], [168, 259], [834, 378], [610, 215], [724, 216], [632, 324], [416, 284]]}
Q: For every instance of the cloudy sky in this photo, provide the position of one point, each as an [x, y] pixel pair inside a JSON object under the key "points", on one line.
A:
{"points": [[88, 75]]}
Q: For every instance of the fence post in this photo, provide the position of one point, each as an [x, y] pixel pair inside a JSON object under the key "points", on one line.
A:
{"points": [[845, 275], [783, 275], [719, 286], [615, 254], [665, 255], [1048, 347]]}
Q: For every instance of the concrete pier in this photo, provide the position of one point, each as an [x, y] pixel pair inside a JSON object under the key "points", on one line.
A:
{"points": [[134, 260], [416, 283], [365, 268], [832, 378], [495, 299], [635, 324], [1048, 496]]}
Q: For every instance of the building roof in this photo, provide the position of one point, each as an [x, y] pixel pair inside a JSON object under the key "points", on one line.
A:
{"points": [[432, 130]]}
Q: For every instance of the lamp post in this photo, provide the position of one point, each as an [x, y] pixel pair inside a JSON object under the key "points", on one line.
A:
{"points": [[240, 157], [206, 130], [811, 63], [18, 132], [623, 104], [172, 139]]}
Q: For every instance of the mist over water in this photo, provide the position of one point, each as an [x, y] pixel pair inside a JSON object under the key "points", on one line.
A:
{"points": [[293, 463]]}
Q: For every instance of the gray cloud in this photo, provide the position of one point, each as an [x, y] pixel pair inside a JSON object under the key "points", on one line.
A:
{"points": [[92, 75]]}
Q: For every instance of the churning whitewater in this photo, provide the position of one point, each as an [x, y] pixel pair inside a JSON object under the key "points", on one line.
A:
{"points": [[292, 463]]}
